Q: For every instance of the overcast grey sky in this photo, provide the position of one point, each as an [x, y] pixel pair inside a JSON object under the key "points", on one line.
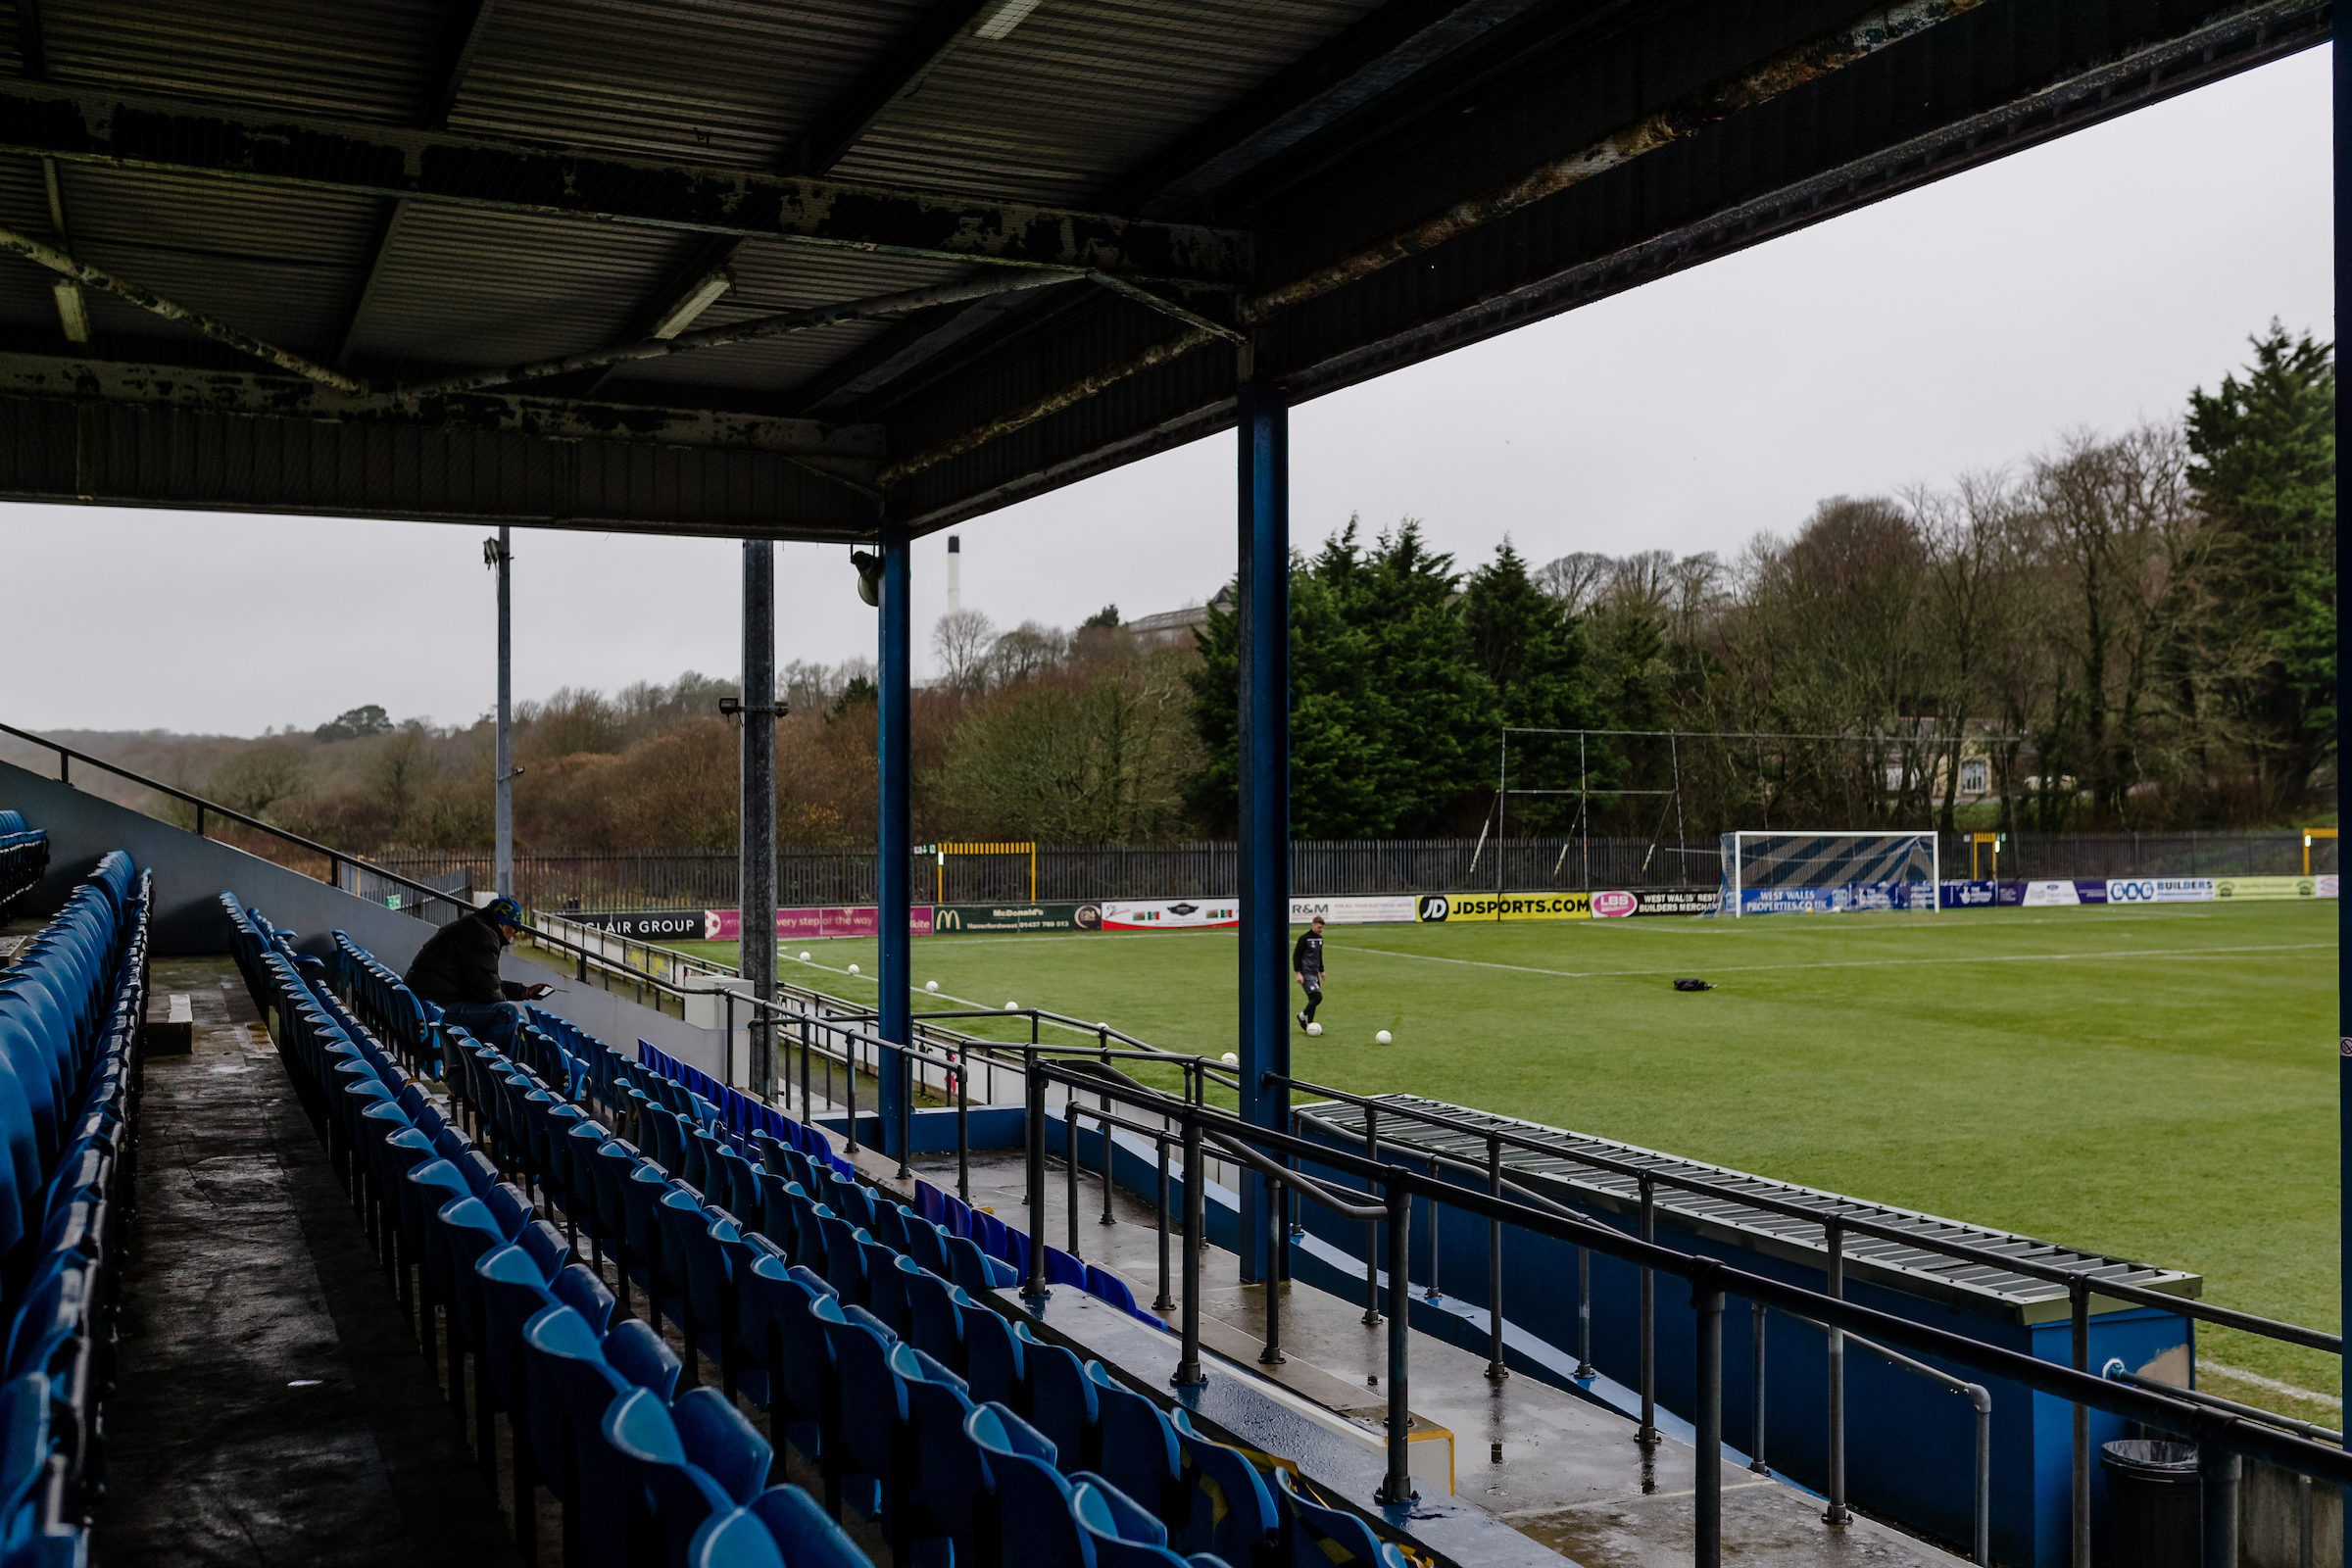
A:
{"points": [[2091, 282]]}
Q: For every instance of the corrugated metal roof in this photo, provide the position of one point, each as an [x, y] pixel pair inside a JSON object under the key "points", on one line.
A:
{"points": [[255, 174], [1564, 1175]]}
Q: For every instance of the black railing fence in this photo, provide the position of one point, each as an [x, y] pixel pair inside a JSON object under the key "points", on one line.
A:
{"points": [[694, 879]]}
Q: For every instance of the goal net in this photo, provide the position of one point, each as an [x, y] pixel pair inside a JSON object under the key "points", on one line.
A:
{"points": [[1820, 874]]}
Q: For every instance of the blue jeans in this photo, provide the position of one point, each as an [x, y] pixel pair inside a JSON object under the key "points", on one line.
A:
{"points": [[493, 1023]]}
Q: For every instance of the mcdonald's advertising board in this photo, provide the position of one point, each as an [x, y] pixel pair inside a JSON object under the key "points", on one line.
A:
{"points": [[976, 919]]}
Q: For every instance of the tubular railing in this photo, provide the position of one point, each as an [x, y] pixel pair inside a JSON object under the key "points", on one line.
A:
{"points": [[1386, 1192], [2079, 1282]]}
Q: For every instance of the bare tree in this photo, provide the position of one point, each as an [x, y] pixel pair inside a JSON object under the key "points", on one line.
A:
{"points": [[963, 640], [1577, 580]]}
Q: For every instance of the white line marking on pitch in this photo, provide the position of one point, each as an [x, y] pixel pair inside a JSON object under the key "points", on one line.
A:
{"points": [[1854, 964]]}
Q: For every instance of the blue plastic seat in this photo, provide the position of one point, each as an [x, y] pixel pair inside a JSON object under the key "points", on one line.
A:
{"points": [[870, 1467], [779, 1303], [728, 1447], [927, 1246], [1121, 1531], [1037, 1524], [635, 1351], [1226, 1506], [888, 1275], [676, 1495], [995, 1359], [845, 1256], [974, 1270], [935, 1312], [1316, 1537], [1137, 1452], [1062, 1404], [571, 1387], [803, 1534]]}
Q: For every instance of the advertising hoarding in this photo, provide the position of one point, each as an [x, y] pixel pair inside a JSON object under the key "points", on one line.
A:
{"points": [[2273, 887], [2152, 890], [1453, 907], [645, 925], [1863, 897], [1171, 914], [1656, 901], [803, 925], [974, 919], [1378, 908]]}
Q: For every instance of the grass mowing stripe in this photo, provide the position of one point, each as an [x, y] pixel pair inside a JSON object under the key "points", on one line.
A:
{"points": [[1853, 963]]}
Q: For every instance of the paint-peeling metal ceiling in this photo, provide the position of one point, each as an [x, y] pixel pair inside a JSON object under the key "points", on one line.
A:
{"points": [[365, 204]]}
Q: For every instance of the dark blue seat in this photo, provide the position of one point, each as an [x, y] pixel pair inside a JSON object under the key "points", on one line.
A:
{"points": [[571, 1386], [803, 1533], [995, 1357], [1121, 1531], [1316, 1537], [1226, 1505], [674, 1494], [1062, 1404], [635, 1351], [1037, 1526], [1137, 1452], [935, 1312]]}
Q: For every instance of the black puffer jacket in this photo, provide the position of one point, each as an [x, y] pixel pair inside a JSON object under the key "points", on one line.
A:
{"points": [[458, 963]]}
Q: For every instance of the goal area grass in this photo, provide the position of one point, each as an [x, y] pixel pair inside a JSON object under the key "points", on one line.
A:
{"points": [[2153, 1083]]}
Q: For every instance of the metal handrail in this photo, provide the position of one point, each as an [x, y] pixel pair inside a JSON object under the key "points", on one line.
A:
{"points": [[2226, 1317], [2223, 1436]]}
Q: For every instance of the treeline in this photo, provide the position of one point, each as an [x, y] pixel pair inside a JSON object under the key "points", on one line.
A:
{"points": [[2127, 631]]}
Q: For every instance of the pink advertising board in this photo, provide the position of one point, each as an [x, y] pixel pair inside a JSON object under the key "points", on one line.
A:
{"points": [[799, 925]]}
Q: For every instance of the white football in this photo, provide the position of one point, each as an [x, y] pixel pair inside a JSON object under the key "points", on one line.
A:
{"points": [[1232, 1061], [1382, 1037], [930, 985], [1012, 1006], [1314, 1028], [852, 968], [803, 957]]}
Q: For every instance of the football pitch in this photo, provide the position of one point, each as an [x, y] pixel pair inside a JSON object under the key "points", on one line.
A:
{"points": [[2150, 1082]]}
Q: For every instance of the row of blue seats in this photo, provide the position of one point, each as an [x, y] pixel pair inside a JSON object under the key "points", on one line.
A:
{"points": [[1007, 1244], [71, 1006], [859, 1326], [590, 1396], [23, 858], [742, 1300], [385, 1003]]}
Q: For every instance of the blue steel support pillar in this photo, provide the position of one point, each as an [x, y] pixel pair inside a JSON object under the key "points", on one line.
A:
{"points": [[1266, 772], [2344, 694], [896, 845]]}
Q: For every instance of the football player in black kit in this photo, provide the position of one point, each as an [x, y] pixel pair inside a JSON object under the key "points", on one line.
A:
{"points": [[1306, 961]]}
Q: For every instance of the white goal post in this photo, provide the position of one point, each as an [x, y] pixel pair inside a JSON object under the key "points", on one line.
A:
{"points": [[1820, 874]]}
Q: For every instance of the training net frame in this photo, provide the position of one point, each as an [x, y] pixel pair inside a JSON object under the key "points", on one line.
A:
{"points": [[1828, 872]]}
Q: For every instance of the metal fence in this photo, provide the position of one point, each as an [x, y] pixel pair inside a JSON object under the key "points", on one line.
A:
{"points": [[692, 879]]}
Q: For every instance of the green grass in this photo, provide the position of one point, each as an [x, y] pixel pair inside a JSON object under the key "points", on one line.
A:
{"points": [[2152, 1083]]}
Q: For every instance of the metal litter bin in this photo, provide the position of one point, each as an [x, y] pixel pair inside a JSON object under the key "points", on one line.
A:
{"points": [[2152, 1504]]}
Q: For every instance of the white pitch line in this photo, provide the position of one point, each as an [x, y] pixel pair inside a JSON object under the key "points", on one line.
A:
{"points": [[942, 996], [1854, 964], [2239, 1374]]}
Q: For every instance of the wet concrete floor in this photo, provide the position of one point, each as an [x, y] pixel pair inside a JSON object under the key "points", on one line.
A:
{"points": [[1559, 1469]]}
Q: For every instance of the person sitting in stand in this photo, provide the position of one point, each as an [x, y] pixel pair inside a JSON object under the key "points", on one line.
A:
{"points": [[457, 969]]}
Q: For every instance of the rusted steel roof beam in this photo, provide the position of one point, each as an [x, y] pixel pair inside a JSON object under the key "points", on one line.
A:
{"points": [[848, 450], [763, 327], [180, 137], [147, 299]]}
